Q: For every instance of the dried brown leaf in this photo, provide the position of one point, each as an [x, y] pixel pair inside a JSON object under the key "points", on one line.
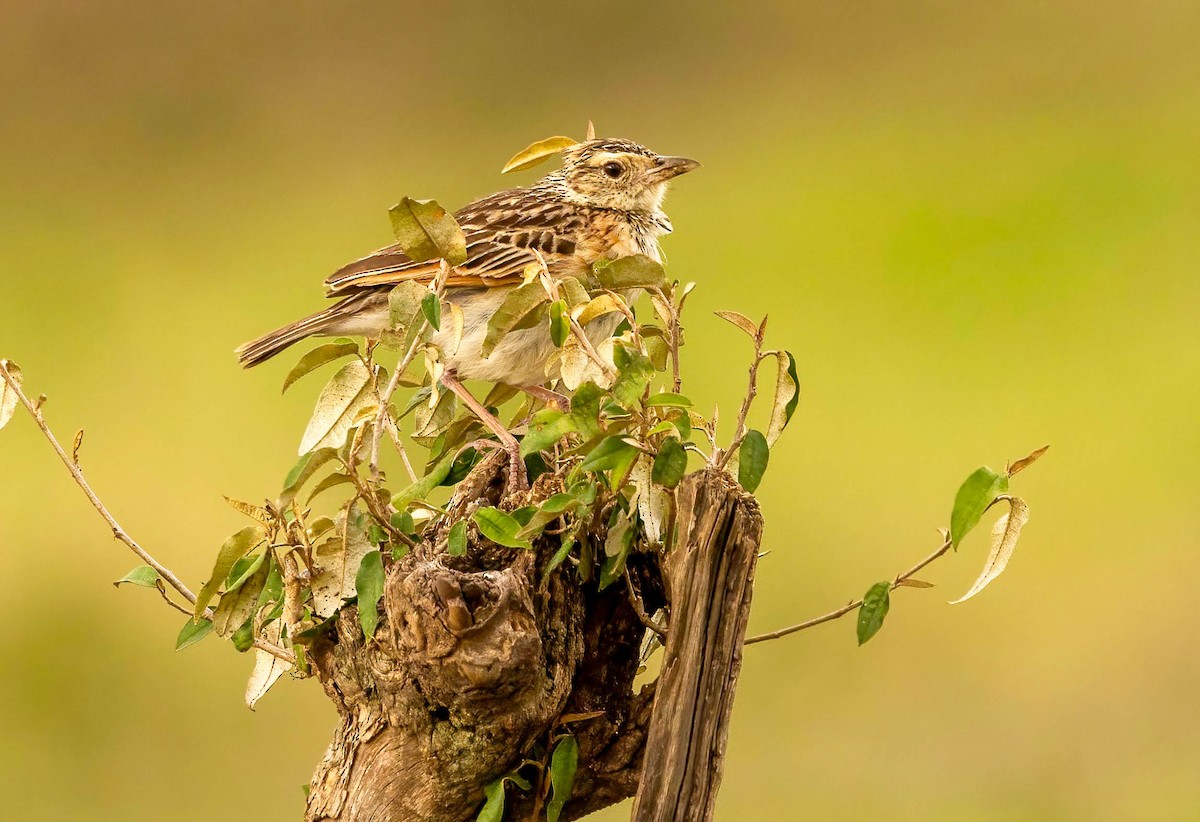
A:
{"points": [[8, 396], [1025, 462], [1005, 534]]}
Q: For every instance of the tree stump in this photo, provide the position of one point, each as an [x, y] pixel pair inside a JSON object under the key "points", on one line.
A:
{"points": [[480, 657]]}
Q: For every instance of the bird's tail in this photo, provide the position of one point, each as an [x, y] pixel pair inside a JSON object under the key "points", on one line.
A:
{"points": [[256, 351]]}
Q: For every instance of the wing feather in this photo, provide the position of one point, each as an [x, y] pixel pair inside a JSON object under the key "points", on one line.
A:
{"points": [[502, 232]]}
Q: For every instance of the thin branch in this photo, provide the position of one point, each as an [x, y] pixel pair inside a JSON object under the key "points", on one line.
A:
{"points": [[854, 604], [120, 533], [739, 430], [586, 344], [385, 398], [639, 607], [675, 326]]}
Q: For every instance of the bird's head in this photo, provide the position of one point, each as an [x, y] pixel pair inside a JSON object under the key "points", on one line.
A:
{"points": [[620, 174]]}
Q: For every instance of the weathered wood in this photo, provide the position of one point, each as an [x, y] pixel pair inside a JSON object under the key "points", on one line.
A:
{"points": [[477, 658], [709, 579]]}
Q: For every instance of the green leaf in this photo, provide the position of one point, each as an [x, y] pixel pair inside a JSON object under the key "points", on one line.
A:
{"points": [[668, 400], [242, 570], [456, 540], [634, 373], [8, 397], [616, 550], [563, 763], [500, 528], [547, 427], [564, 550], [637, 271], [143, 575], [515, 308], [598, 307], [670, 464], [752, 460], [273, 590], [243, 637], [402, 521], [302, 471], [426, 231], [236, 547], [493, 808], [536, 153], [610, 453], [974, 497], [544, 514], [422, 488], [339, 404], [467, 459], [573, 291], [319, 356], [787, 395], [431, 307], [560, 325], [331, 481], [192, 632], [875, 606], [524, 514], [238, 604], [429, 422], [369, 585], [405, 315]]}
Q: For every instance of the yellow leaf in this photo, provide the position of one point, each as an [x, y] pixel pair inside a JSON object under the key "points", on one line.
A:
{"points": [[741, 321], [536, 153]]}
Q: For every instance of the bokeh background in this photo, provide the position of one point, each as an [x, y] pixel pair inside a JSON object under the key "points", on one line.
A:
{"points": [[976, 224]]}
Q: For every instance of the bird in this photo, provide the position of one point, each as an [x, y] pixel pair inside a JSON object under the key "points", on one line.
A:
{"points": [[604, 202]]}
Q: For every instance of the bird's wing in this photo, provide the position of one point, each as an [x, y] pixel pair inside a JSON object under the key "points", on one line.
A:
{"points": [[502, 233]]}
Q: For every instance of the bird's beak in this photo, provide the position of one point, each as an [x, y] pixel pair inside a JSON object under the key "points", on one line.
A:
{"points": [[666, 168]]}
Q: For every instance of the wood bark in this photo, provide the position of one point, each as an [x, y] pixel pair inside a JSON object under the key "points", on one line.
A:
{"points": [[480, 659], [710, 579]]}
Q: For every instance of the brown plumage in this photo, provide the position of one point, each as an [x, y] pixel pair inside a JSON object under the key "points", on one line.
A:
{"points": [[604, 202]]}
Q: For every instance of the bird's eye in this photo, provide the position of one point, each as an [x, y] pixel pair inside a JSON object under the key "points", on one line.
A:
{"points": [[613, 170]]}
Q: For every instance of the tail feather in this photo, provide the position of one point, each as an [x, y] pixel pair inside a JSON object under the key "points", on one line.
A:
{"points": [[262, 349]]}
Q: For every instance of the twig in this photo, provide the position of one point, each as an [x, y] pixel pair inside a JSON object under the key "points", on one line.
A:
{"points": [[394, 435], [854, 604], [590, 349], [384, 399], [739, 430], [394, 382], [675, 326], [77, 474], [162, 591], [640, 607]]}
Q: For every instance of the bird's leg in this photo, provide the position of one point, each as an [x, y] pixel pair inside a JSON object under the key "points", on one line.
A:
{"points": [[551, 398], [517, 479]]}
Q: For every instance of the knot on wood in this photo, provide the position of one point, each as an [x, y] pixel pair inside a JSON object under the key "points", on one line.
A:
{"points": [[468, 639]]}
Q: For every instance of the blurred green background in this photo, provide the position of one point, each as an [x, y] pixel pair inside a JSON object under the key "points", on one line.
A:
{"points": [[976, 224]]}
